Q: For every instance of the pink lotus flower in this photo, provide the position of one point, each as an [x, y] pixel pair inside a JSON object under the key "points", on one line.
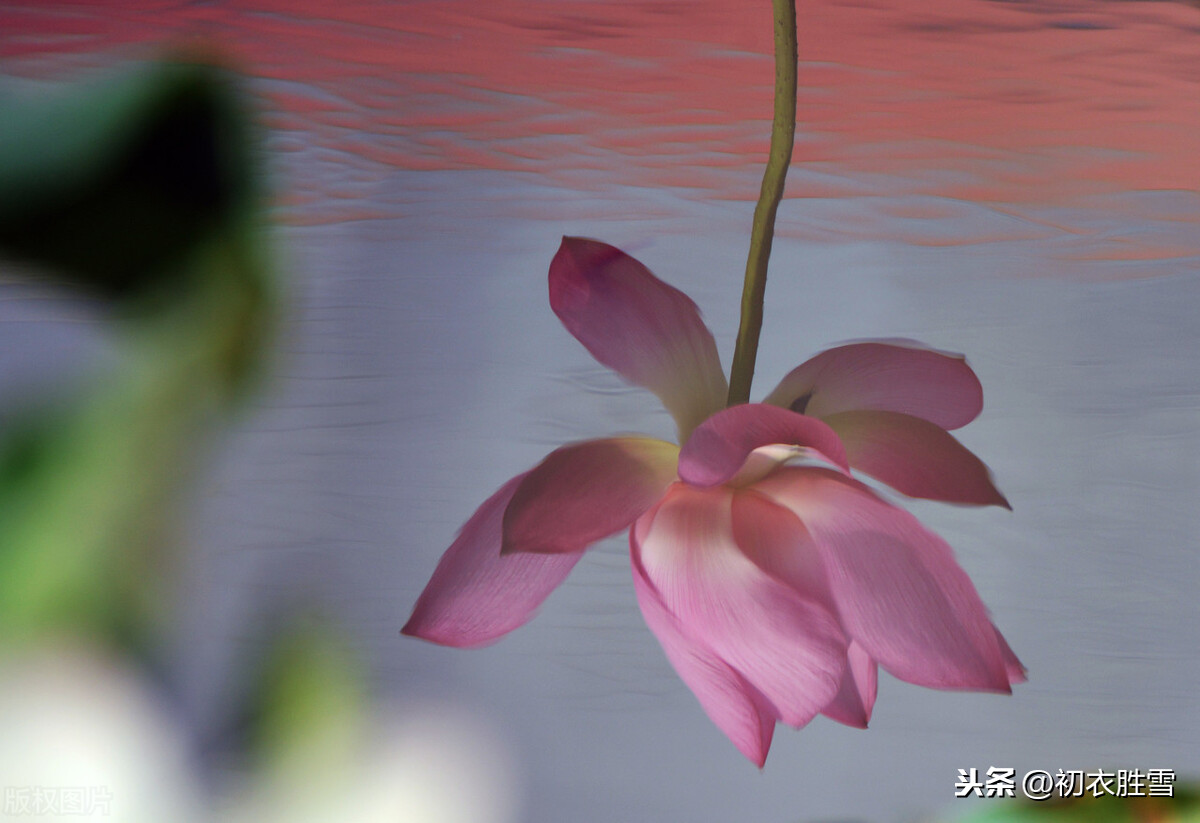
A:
{"points": [[774, 588]]}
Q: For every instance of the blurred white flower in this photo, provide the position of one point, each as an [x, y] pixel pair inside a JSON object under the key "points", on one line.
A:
{"points": [[83, 740]]}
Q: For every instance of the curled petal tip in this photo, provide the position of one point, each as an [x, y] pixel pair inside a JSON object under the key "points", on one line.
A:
{"points": [[1014, 668], [994, 497], [855, 700]]}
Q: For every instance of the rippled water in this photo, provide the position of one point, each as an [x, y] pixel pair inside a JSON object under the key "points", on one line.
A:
{"points": [[1015, 180]]}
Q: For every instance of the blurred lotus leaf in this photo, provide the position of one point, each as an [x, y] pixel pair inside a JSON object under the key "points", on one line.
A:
{"points": [[113, 184], [141, 190]]}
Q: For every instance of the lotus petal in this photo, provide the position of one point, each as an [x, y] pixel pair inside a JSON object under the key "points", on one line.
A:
{"points": [[734, 706], [932, 385], [587, 491], [476, 595], [789, 647], [721, 444], [856, 696], [899, 591], [1016, 670], [648, 332], [915, 457]]}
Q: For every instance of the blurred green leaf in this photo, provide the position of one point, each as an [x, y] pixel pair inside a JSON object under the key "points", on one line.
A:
{"points": [[304, 711]]}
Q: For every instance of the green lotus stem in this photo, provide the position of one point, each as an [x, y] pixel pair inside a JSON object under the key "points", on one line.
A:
{"points": [[783, 134]]}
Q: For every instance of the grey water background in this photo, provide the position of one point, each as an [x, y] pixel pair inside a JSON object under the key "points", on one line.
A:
{"points": [[421, 367]]}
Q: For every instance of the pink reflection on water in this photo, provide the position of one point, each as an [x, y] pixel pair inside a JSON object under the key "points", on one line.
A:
{"points": [[993, 102]]}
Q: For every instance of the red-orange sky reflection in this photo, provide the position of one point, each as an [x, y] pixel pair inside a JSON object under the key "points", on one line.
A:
{"points": [[1010, 102]]}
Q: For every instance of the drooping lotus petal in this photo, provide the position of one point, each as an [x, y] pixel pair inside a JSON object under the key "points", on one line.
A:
{"points": [[775, 539], [720, 445], [648, 332], [736, 707], [915, 457], [932, 385], [586, 491], [1014, 667], [475, 595], [856, 696], [900, 593], [789, 647]]}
